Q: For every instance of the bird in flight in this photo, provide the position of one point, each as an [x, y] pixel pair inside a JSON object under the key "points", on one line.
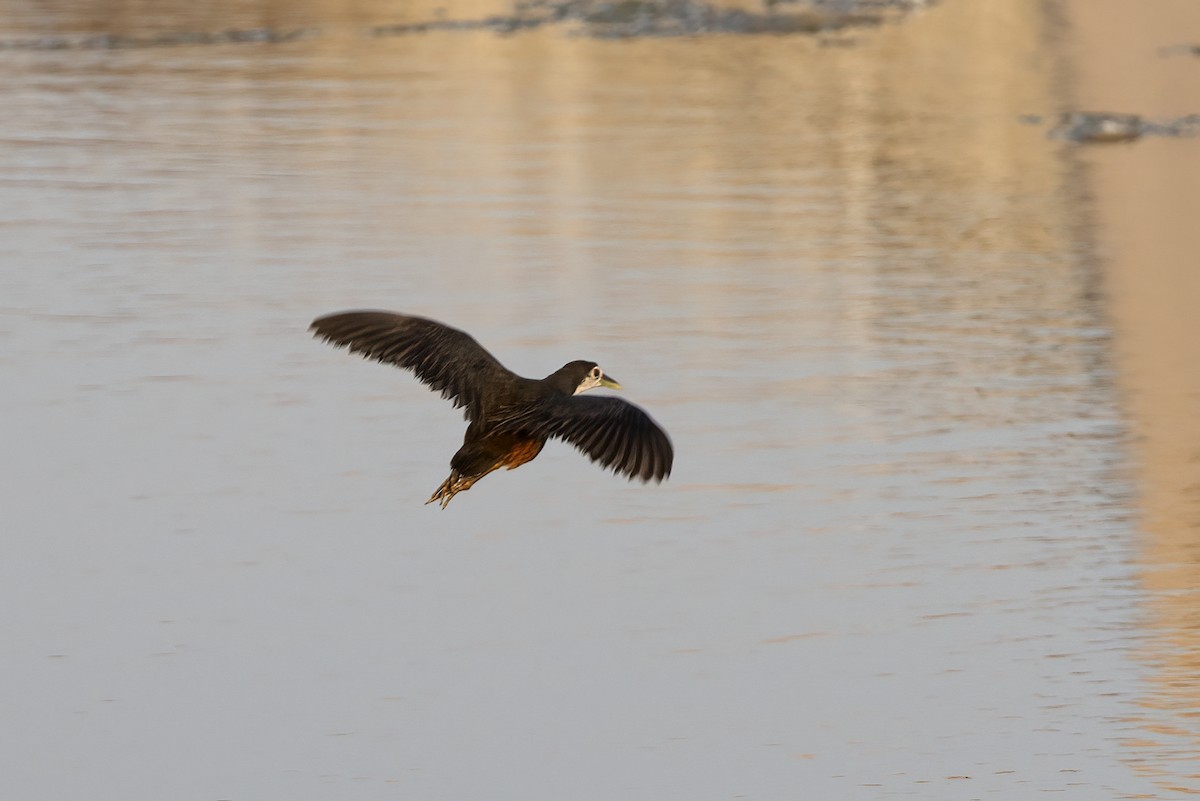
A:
{"points": [[510, 417]]}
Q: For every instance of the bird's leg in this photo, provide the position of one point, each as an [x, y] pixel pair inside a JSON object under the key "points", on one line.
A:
{"points": [[455, 484], [445, 491], [464, 485]]}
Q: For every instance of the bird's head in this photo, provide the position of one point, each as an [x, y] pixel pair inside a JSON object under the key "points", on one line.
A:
{"points": [[581, 376]]}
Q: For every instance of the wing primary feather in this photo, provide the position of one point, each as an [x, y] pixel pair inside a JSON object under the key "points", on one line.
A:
{"points": [[639, 456], [659, 467], [621, 442], [610, 446], [608, 433]]}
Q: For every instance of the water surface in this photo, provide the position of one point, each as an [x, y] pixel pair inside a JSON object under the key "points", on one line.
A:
{"points": [[897, 557]]}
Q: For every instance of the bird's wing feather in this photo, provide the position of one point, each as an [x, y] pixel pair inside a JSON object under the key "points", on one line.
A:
{"points": [[448, 360], [611, 431]]}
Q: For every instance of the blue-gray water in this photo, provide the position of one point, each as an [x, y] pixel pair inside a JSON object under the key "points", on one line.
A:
{"points": [[898, 554]]}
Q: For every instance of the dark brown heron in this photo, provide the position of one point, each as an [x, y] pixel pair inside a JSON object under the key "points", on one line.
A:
{"points": [[510, 417]]}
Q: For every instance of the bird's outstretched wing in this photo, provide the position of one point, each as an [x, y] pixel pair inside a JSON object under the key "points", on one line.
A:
{"points": [[446, 359], [611, 431]]}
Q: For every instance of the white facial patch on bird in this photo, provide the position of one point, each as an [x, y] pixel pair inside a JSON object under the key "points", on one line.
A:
{"points": [[591, 380]]}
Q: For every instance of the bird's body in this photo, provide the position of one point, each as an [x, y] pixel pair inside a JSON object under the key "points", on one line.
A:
{"points": [[510, 417]]}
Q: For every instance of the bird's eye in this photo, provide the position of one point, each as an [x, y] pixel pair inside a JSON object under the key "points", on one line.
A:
{"points": [[595, 372]]}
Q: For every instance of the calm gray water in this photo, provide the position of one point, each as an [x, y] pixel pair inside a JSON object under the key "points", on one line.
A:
{"points": [[897, 557]]}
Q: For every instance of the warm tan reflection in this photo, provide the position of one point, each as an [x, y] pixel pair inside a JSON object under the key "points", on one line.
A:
{"points": [[1148, 199]]}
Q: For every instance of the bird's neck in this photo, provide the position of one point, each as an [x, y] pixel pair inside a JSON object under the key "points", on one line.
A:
{"points": [[561, 381]]}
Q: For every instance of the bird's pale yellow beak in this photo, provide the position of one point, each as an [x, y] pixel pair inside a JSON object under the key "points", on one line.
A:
{"points": [[609, 383]]}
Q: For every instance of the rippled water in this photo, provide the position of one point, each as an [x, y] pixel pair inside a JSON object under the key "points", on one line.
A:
{"points": [[898, 554]]}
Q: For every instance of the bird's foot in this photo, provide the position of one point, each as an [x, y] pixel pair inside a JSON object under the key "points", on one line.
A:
{"points": [[453, 485]]}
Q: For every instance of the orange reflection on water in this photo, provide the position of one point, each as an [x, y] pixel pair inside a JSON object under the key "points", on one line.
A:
{"points": [[1148, 196]]}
